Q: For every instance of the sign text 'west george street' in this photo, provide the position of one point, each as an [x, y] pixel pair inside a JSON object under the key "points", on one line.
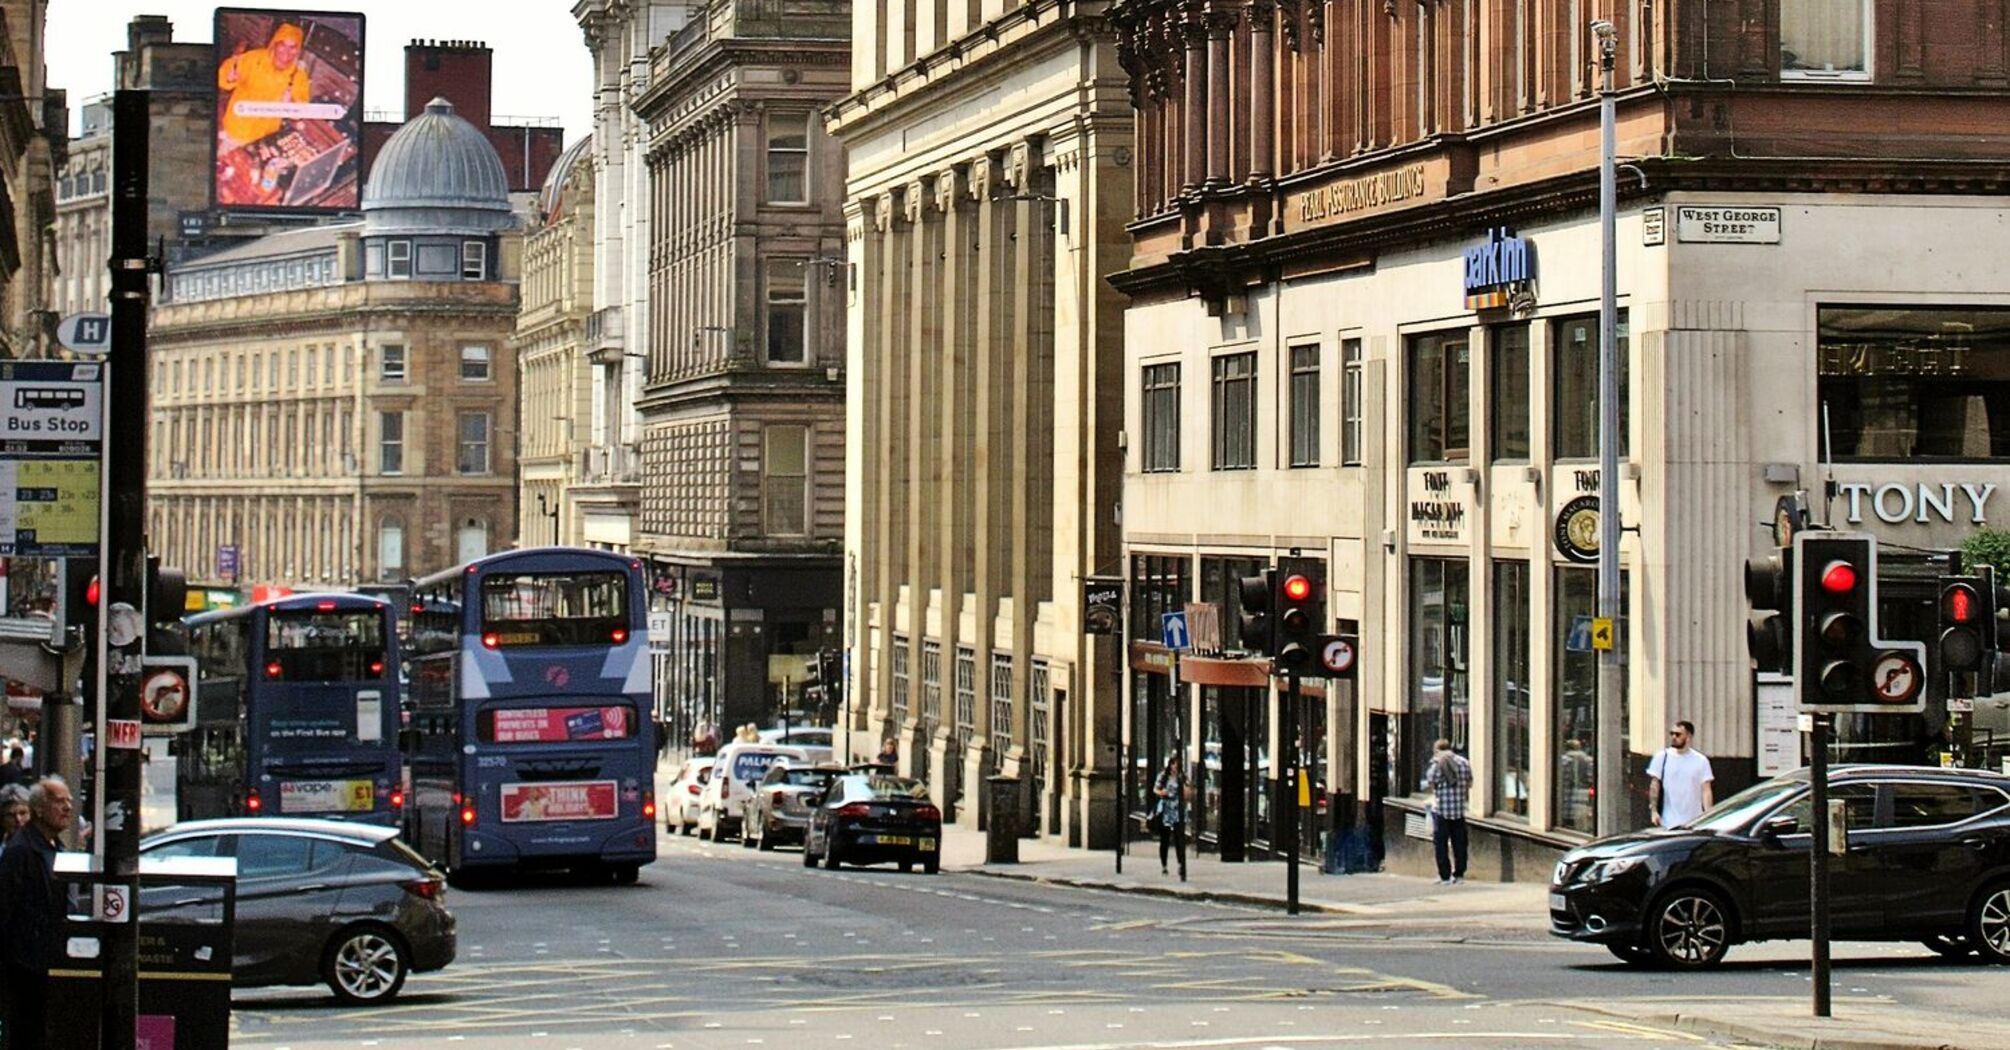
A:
{"points": [[1363, 194]]}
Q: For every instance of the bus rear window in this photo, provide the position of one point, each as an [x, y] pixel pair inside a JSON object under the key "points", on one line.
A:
{"points": [[324, 646], [555, 725], [554, 608]]}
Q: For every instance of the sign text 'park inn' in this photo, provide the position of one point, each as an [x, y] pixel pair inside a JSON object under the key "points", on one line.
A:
{"points": [[1366, 193]]}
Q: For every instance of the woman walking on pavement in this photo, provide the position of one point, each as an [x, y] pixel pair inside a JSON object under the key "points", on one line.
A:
{"points": [[1169, 813]]}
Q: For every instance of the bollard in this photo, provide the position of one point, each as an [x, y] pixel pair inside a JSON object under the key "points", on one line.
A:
{"points": [[1001, 835]]}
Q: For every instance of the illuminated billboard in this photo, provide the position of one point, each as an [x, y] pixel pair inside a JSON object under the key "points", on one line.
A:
{"points": [[289, 110]]}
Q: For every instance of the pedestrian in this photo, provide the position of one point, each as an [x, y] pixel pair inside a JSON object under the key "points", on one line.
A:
{"points": [[1169, 813], [1679, 785], [1450, 779], [31, 914], [889, 753], [15, 769], [13, 811]]}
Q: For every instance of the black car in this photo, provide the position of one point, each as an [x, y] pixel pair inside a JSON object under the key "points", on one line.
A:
{"points": [[871, 818], [320, 901], [1928, 860]]}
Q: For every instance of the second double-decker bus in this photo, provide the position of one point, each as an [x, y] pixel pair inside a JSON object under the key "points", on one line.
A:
{"points": [[296, 712], [530, 743]]}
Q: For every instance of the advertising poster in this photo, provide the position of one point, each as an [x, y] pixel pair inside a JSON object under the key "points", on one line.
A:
{"points": [[558, 725], [289, 110], [582, 800]]}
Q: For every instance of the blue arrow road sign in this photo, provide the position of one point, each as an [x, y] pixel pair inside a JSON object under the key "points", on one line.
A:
{"points": [[1172, 629], [1579, 639]]}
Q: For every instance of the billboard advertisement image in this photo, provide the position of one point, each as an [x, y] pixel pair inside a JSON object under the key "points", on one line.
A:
{"points": [[289, 110]]}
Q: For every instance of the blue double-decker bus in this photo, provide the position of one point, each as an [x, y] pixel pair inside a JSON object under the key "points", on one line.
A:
{"points": [[531, 743], [296, 712]]}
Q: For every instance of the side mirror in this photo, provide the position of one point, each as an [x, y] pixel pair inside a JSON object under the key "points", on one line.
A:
{"points": [[813, 800], [1773, 827]]}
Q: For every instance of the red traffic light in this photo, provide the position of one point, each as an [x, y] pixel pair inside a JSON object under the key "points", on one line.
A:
{"points": [[91, 592], [1839, 577], [1297, 588], [1960, 603]]}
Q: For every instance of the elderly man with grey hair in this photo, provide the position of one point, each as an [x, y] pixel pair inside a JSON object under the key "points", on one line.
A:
{"points": [[31, 914]]}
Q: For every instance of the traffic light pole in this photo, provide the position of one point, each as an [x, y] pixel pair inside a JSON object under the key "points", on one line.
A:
{"points": [[1818, 859], [1611, 778], [1288, 779], [125, 560]]}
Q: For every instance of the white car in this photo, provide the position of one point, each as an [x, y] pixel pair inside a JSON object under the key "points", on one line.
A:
{"points": [[800, 736], [680, 806], [735, 770]]}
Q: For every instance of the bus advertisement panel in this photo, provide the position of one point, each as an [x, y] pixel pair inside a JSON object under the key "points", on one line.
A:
{"points": [[289, 110]]}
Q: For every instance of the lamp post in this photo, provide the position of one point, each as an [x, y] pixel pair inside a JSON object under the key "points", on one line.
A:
{"points": [[1611, 780]]}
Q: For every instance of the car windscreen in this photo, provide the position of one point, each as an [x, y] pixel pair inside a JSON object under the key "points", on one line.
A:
{"points": [[807, 777], [554, 725], [554, 608], [324, 646], [1742, 808]]}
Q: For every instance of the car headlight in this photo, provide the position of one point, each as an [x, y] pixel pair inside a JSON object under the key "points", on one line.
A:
{"points": [[1607, 870]]}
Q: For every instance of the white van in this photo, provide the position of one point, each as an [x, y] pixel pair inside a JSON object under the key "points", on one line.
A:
{"points": [[735, 770]]}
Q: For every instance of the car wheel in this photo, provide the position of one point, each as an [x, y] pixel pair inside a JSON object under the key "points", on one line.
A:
{"points": [[1631, 954], [705, 833], [809, 859], [932, 863], [1951, 945], [831, 859], [1690, 929], [365, 964], [767, 842], [746, 840], [687, 827], [1989, 923]]}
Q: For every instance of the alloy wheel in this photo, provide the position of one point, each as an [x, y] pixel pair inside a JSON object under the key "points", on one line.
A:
{"points": [[367, 967], [1991, 924], [1691, 931]]}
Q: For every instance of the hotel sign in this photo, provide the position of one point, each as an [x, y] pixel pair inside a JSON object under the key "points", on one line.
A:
{"points": [[1338, 200], [1498, 271]]}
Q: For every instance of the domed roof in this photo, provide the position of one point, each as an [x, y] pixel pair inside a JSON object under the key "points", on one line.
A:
{"points": [[557, 197], [437, 174]]}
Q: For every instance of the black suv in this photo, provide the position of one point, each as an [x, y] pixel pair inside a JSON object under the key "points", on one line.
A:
{"points": [[1928, 860]]}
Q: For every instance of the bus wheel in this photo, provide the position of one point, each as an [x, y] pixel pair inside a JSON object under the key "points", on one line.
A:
{"points": [[365, 964], [626, 874]]}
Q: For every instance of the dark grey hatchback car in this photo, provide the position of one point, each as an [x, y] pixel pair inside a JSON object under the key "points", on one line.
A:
{"points": [[1928, 860], [320, 901]]}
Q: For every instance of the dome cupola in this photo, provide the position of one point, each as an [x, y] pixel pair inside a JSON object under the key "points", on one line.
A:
{"points": [[437, 175]]}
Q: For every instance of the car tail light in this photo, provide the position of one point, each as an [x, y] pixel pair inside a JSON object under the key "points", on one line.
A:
{"points": [[468, 816], [856, 809], [431, 889], [324, 606], [273, 669], [928, 813], [253, 803], [725, 787], [649, 805], [397, 800], [693, 788], [777, 797], [457, 798]]}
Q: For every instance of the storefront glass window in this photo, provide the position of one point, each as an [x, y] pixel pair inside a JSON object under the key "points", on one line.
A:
{"points": [[1511, 687], [1160, 583], [1440, 410], [1574, 383], [1577, 700], [1439, 688], [1507, 347], [1902, 383]]}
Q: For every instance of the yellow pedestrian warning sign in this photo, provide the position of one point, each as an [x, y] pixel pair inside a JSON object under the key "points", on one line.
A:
{"points": [[1601, 633]]}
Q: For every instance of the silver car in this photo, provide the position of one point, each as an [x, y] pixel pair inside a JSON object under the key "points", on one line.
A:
{"points": [[778, 811]]}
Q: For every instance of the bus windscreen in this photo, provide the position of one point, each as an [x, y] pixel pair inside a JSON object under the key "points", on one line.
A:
{"points": [[554, 608], [316, 646]]}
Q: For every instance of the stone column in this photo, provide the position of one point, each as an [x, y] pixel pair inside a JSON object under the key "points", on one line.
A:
{"points": [[954, 443], [886, 550], [1193, 33], [991, 464], [1262, 91], [923, 448], [1220, 28]]}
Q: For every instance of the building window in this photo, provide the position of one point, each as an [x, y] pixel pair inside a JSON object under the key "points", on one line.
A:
{"points": [[475, 364], [1574, 378], [1576, 693], [1305, 406], [899, 701], [391, 365], [1507, 349], [1439, 689], [1512, 691], [1235, 412], [1160, 583], [471, 540], [788, 158], [785, 481], [390, 442], [473, 434], [1220, 586], [931, 686], [1440, 410], [966, 695], [1352, 430], [1001, 705], [391, 549], [788, 307], [1161, 417], [474, 260], [1825, 39], [398, 259], [1901, 383]]}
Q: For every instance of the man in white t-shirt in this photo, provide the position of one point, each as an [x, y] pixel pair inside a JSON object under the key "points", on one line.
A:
{"points": [[1679, 780]]}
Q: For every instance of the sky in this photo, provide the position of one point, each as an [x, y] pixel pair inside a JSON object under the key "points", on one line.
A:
{"points": [[542, 68]]}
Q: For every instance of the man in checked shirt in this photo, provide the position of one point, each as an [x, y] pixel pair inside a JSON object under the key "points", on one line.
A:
{"points": [[1450, 779]]}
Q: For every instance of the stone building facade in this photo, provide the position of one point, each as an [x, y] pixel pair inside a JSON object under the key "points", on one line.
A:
{"points": [[1365, 281], [556, 387], [336, 406], [33, 127], [742, 405], [989, 147]]}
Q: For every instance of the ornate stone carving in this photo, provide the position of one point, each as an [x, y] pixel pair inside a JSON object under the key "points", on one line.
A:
{"points": [[912, 201], [945, 190], [882, 219]]}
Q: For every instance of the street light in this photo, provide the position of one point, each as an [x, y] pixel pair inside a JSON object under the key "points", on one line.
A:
{"points": [[1611, 779]]}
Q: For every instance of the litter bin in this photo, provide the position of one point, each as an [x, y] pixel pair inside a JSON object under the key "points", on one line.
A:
{"points": [[1001, 837]]}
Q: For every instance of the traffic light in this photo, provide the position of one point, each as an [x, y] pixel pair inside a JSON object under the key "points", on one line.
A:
{"points": [[1840, 663], [1769, 627], [167, 592], [1995, 676], [1257, 597], [1964, 627], [1299, 608], [830, 671]]}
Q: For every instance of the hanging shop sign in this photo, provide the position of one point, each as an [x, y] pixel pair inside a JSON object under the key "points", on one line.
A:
{"points": [[1577, 530], [1102, 605], [1440, 504], [1500, 272]]}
